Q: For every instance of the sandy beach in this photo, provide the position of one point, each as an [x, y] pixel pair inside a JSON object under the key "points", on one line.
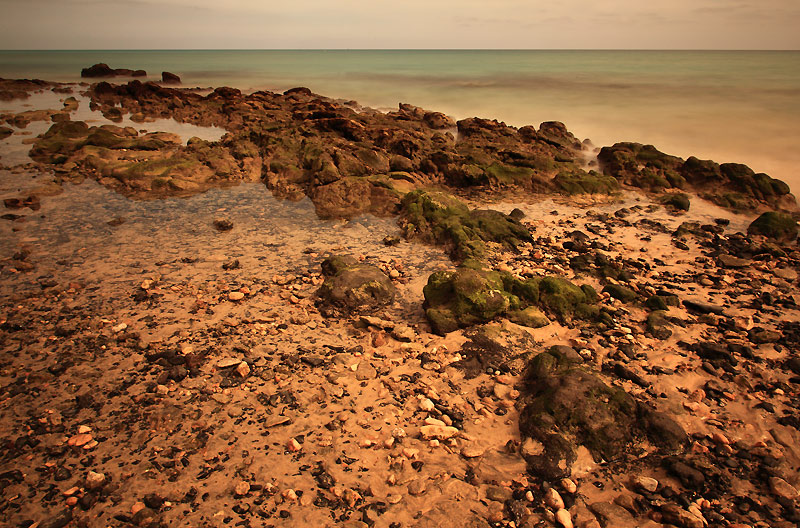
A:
{"points": [[278, 309]]}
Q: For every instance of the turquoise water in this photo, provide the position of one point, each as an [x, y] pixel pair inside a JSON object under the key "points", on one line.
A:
{"points": [[723, 105]]}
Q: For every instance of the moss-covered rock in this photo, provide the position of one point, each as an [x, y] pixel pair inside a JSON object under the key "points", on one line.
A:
{"points": [[656, 302], [352, 288], [677, 201], [658, 325], [620, 292], [565, 405], [440, 218], [581, 182], [776, 226], [471, 295]]}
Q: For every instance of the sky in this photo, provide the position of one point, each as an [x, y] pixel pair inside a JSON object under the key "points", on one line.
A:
{"points": [[404, 24]]}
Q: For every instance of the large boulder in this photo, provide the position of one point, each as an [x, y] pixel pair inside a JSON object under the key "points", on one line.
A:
{"points": [[440, 218], [470, 296], [170, 78], [102, 69], [779, 227], [354, 196], [353, 288], [566, 405]]}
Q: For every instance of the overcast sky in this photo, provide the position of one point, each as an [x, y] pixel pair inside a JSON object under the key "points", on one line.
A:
{"points": [[534, 24]]}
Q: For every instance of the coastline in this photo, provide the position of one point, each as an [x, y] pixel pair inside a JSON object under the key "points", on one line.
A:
{"points": [[225, 360]]}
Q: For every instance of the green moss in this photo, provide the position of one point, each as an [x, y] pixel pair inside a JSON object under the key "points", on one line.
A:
{"points": [[580, 182], [774, 225], [508, 174], [677, 201], [441, 218], [531, 317], [620, 292], [656, 302]]}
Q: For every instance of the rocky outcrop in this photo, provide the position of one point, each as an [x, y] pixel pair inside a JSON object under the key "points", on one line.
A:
{"points": [[731, 185], [152, 164], [101, 70]]}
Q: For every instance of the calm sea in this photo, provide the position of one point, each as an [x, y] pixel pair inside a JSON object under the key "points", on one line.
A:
{"points": [[740, 106]]}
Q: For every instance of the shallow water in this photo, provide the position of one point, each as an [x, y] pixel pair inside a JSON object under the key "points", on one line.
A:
{"points": [[722, 105]]}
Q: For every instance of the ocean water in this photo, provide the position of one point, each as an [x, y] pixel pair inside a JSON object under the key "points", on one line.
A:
{"points": [[730, 106]]}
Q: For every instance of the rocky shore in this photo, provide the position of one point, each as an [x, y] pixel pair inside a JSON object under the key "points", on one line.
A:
{"points": [[436, 323]]}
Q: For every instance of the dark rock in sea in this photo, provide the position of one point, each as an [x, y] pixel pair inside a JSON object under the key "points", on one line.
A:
{"points": [[104, 70], [776, 226], [170, 78], [351, 287], [5, 132]]}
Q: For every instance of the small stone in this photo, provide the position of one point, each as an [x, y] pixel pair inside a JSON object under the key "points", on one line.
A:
{"points": [[119, 328], [228, 362], [569, 486], [498, 493], [220, 224], [553, 499], [365, 371], [417, 487], [289, 495], [563, 518], [472, 451], [243, 370], [95, 480], [293, 445], [83, 429], [235, 296], [80, 440], [426, 405], [394, 499], [437, 432], [647, 484], [501, 391], [242, 489]]}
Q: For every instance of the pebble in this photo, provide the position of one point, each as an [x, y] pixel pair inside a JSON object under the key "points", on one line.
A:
{"points": [[553, 499], [426, 405], [293, 445], [564, 518], [235, 296], [119, 328], [417, 487], [95, 480], [243, 370], [645, 483], [438, 432], [472, 451], [242, 489], [569, 486]]}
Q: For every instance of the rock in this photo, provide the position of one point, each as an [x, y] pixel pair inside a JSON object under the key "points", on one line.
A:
{"points": [[5, 132], [563, 518], [776, 226], [761, 336], [498, 493], [365, 371], [783, 489], [729, 261], [647, 484], [357, 288], [438, 432], [676, 515], [235, 296], [472, 451], [221, 224], [417, 487], [610, 515], [553, 499], [95, 480], [243, 369], [620, 292], [658, 325], [242, 489], [98, 70], [57, 521], [170, 78], [677, 201]]}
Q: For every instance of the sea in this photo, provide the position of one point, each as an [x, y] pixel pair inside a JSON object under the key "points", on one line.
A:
{"points": [[729, 106]]}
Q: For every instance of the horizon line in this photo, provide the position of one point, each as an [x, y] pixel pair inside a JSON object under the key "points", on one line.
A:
{"points": [[396, 49]]}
